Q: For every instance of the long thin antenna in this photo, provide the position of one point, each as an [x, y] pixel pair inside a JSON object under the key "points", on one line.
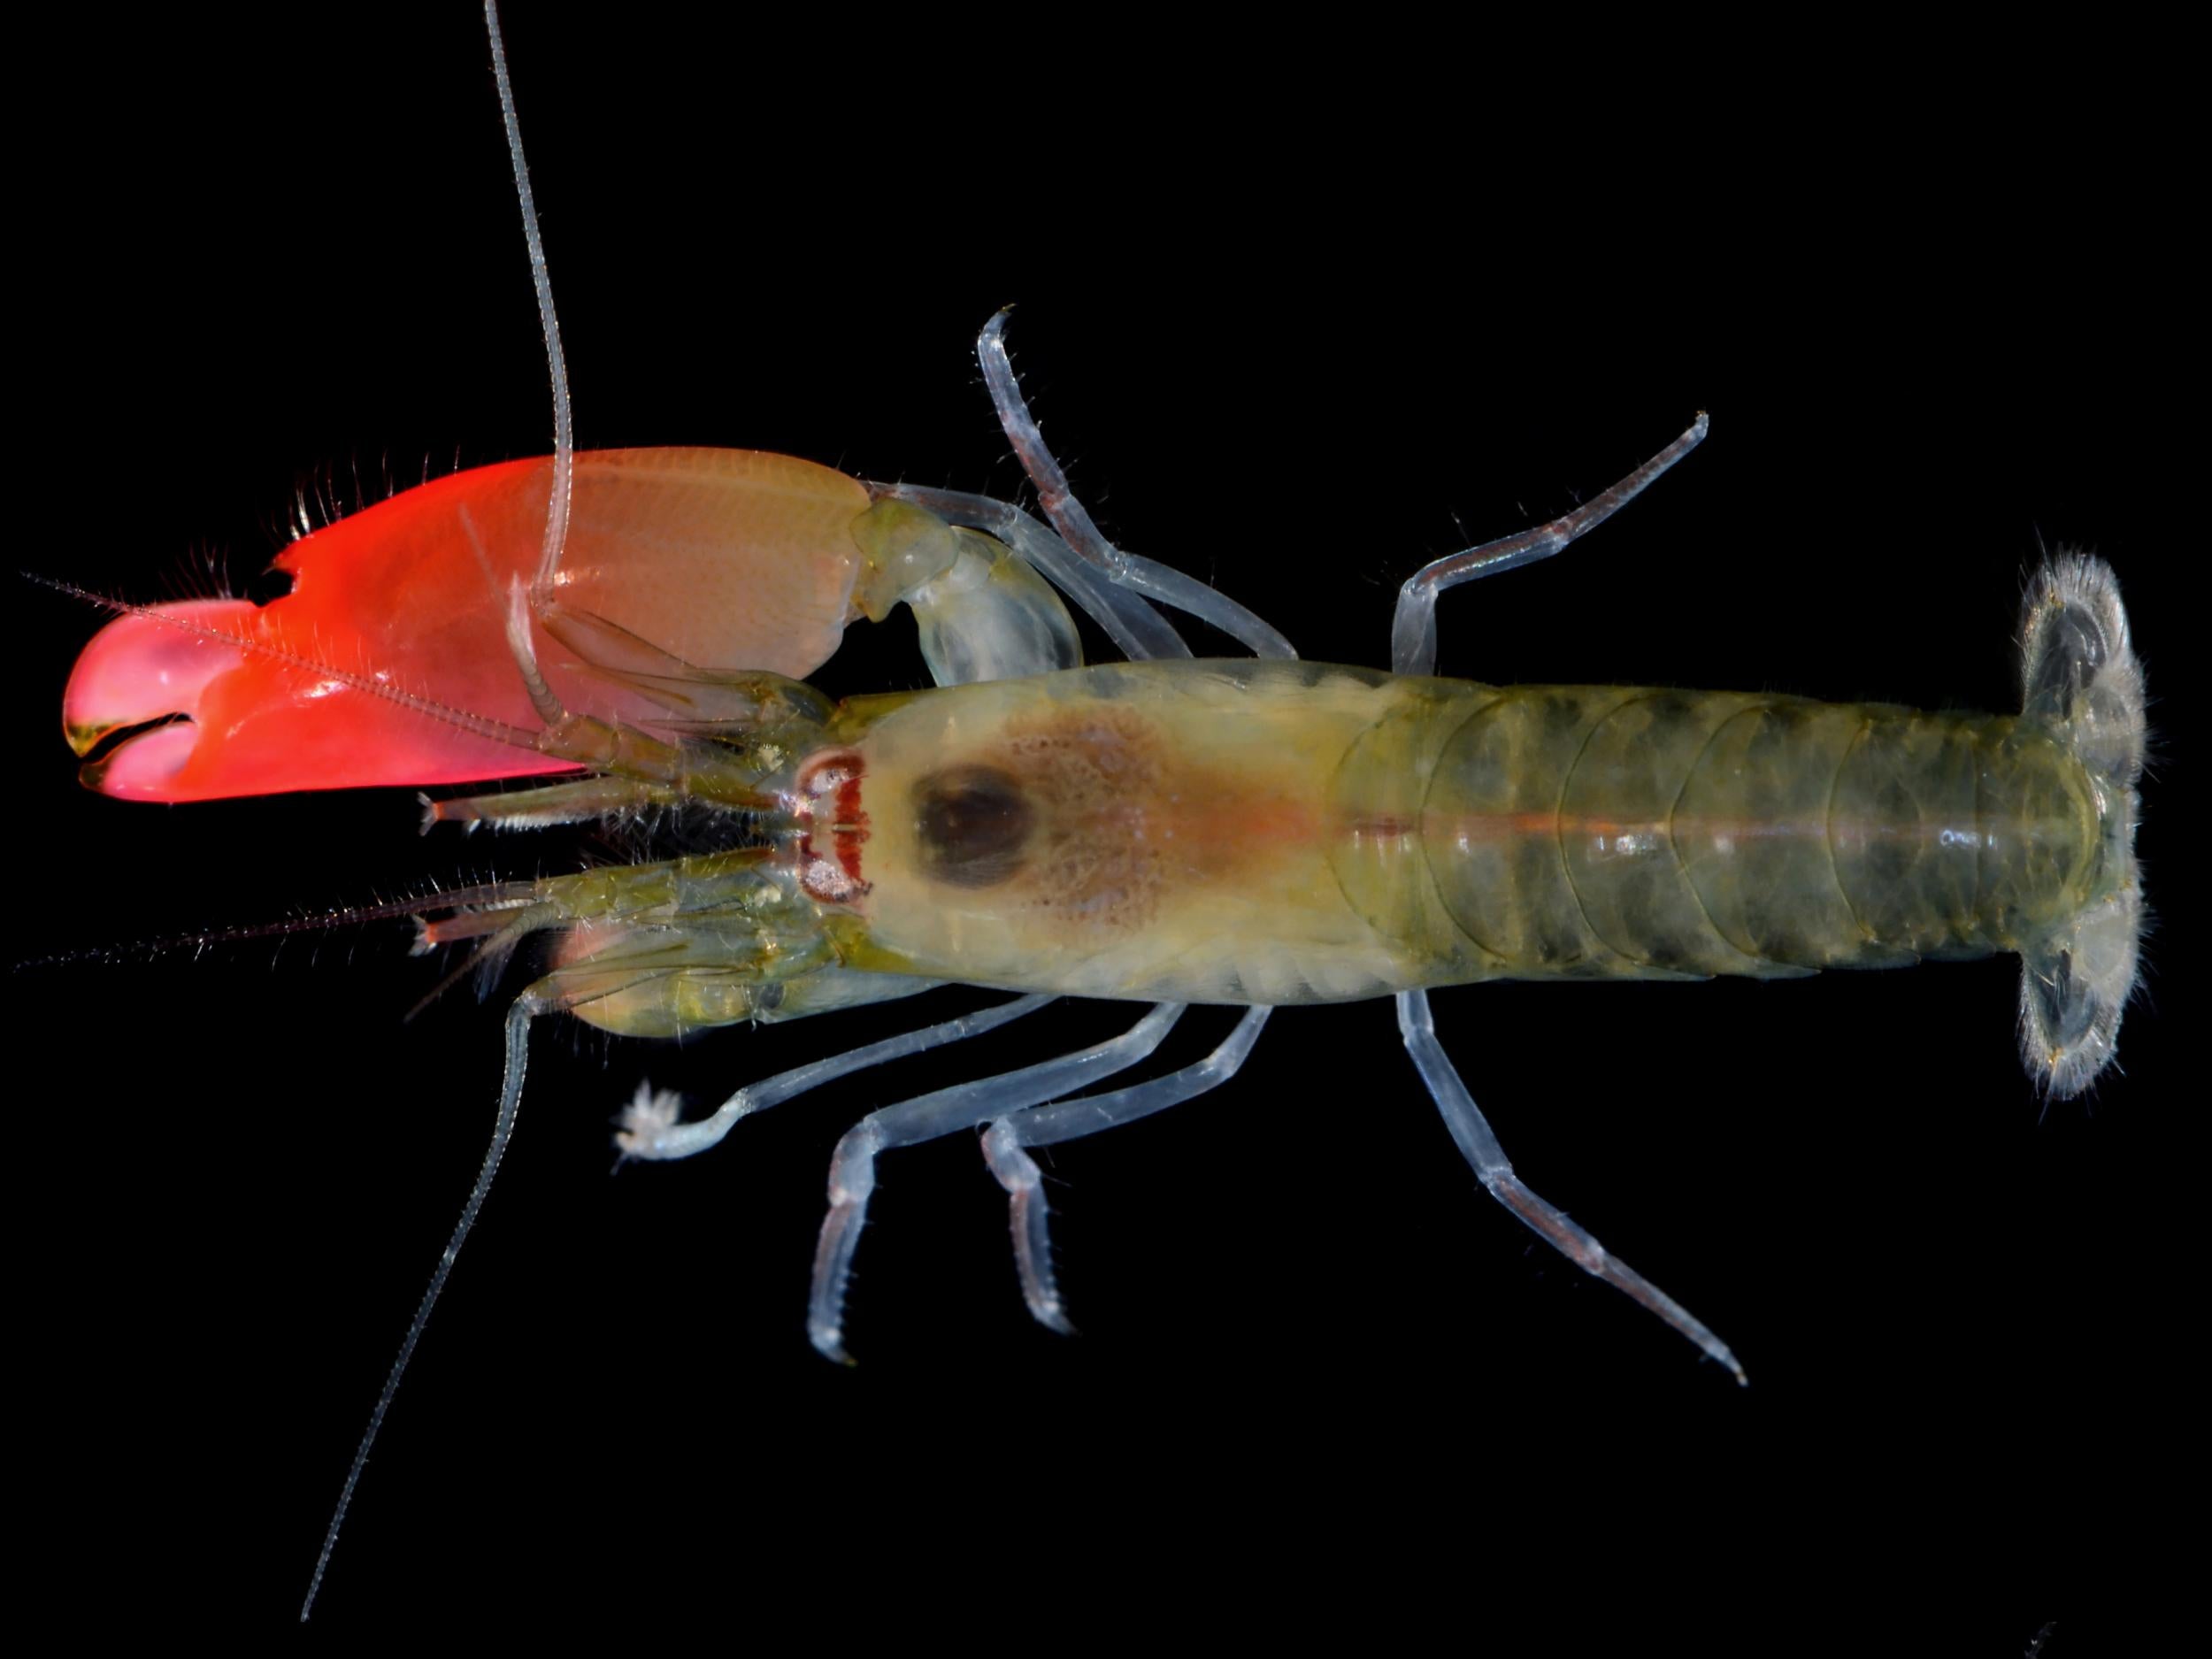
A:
{"points": [[555, 362], [519, 1015], [484, 898]]}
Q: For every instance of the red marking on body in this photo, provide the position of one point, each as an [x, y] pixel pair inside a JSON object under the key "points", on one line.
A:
{"points": [[829, 799], [1383, 829], [1260, 821]]}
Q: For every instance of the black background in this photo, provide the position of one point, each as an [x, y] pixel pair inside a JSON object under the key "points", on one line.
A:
{"points": [[1296, 327]]}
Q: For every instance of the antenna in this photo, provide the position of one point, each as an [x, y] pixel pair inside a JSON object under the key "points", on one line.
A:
{"points": [[518, 1017]]}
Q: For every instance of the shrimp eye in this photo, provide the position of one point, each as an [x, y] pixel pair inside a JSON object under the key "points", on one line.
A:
{"points": [[972, 823]]}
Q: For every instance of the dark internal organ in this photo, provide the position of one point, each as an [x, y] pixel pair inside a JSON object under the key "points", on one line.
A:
{"points": [[972, 823], [1081, 816]]}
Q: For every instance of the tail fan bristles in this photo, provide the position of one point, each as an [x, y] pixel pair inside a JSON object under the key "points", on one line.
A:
{"points": [[2079, 672]]}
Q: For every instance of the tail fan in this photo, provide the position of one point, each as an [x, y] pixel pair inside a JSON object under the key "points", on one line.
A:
{"points": [[2079, 672]]}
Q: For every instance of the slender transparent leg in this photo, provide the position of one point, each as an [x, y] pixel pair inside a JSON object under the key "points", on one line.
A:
{"points": [[1413, 629], [1068, 516], [853, 1166], [1140, 632], [1476, 1140], [1070, 1121], [649, 1129], [577, 802]]}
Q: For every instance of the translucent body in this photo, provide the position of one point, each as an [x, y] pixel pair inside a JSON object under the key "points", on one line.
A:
{"points": [[1269, 832], [1172, 831], [1180, 823], [1257, 832], [696, 914], [1588, 832]]}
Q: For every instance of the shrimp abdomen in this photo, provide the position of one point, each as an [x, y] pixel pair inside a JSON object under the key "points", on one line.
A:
{"points": [[1588, 832]]}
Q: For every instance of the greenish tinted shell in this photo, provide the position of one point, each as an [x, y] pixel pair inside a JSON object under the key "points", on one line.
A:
{"points": [[1609, 831]]}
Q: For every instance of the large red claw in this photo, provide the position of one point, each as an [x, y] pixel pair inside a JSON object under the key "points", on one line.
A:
{"points": [[719, 559]]}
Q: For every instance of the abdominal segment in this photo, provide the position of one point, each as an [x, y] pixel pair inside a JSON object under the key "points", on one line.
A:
{"points": [[1605, 831]]}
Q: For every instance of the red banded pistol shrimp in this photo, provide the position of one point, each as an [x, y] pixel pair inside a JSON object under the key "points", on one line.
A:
{"points": [[969, 833]]}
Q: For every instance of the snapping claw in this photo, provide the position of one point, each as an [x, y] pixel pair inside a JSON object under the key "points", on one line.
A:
{"points": [[387, 661]]}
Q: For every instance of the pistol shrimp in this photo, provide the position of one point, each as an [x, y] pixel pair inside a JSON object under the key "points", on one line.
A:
{"points": [[1306, 1221]]}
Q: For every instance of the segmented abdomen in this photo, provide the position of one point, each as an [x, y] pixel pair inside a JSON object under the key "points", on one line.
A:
{"points": [[1608, 830]]}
